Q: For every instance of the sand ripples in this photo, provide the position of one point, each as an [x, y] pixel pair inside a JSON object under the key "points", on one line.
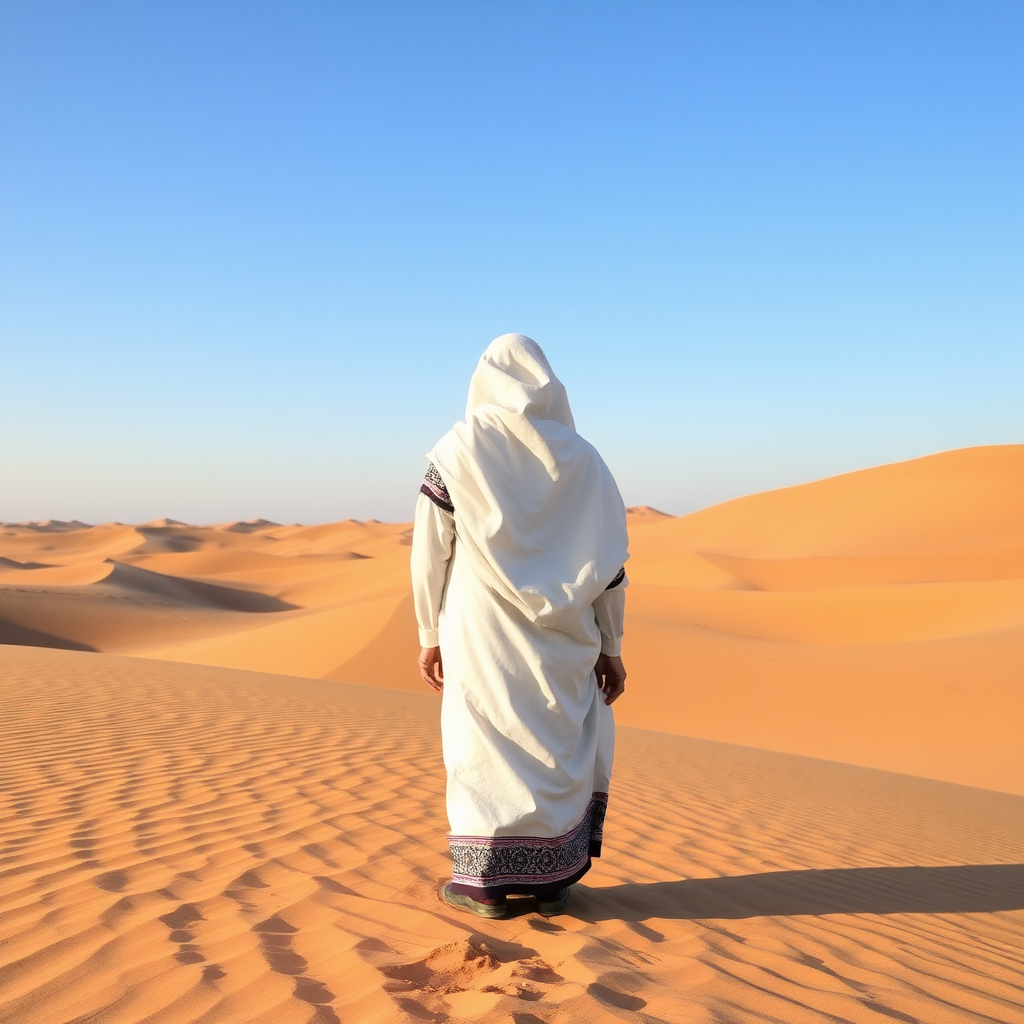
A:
{"points": [[192, 844]]}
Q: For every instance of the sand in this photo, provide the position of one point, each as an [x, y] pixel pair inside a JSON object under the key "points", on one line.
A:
{"points": [[875, 618], [223, 797], [196, 844]]}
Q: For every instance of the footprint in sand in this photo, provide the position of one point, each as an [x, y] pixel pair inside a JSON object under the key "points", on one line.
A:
{"points": [[469, 965]]}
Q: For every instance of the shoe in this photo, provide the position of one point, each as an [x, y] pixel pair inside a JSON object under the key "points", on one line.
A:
{"points": [[548, 908], [460, 902]]}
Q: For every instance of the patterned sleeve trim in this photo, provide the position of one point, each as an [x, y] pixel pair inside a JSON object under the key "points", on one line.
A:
{"points": [[433, 487], [619, 577]]}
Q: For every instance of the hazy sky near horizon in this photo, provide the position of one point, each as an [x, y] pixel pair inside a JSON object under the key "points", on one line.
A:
{"points": [[251, 251]]}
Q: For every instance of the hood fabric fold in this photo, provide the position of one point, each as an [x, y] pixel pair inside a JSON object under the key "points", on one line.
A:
{"points": [[534, 502]]}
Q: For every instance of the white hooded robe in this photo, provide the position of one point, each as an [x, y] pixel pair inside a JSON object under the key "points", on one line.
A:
{"points": [[519, 532]]}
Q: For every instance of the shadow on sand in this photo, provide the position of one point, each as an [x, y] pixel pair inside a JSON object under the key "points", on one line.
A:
{"points": [[962, 889]]}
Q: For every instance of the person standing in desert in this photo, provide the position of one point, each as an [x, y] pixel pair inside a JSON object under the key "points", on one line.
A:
{"points": [[518, 554]]}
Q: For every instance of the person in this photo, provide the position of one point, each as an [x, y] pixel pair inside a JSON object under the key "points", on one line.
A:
{"points": [[518, 553]]}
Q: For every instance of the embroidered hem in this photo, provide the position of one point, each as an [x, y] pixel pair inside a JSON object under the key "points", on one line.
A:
{"points": [[542, 890], [526, 863]]}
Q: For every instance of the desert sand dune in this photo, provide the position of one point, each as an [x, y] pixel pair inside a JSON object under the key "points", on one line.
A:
{"points": [[945, 709], [352, 580], [841, 615], [68, 546], [387, 654], [53, 526], [11, 563], [315, 643], [875, 617], [189, 592], [824, 572], [38, 574], [176, 537], [961, 500], [644, 514], [250, 525], [190, 844], [344, 538], [126, 608], [216, 561]]}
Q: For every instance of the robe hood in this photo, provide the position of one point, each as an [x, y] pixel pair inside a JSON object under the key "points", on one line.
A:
{"points": [[535, 504]]}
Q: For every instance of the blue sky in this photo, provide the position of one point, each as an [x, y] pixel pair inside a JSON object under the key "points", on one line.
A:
{"points": [[250, 251]]}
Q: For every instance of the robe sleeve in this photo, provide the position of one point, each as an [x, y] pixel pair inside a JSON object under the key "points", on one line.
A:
{"points": [[610, 611], [433, 539]]}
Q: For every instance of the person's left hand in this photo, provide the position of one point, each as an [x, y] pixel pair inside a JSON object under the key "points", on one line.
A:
{"points": [[431, 669], [611, 677]]}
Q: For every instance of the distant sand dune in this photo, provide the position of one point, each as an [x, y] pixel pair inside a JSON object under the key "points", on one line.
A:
{"points": [[190, 592], [10, 563], [250, 526], [841, 615], [37, 574], [644, 513], [388, 654], [298, 641], [52, 526], [129, 615], [214, 561], [825, 572], [70, 546], [964, 500], [186, 844], [875, 617]]}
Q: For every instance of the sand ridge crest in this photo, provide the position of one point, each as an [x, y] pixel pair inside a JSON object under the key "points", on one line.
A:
{"points": [[47, 526]]}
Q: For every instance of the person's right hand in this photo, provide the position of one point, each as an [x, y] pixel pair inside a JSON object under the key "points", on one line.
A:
{"points": [[611, 677], [431, 668]]}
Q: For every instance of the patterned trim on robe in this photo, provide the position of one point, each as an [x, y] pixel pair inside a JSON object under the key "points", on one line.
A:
{"points": [[619, 577], [433, 487], [527, 860]]}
